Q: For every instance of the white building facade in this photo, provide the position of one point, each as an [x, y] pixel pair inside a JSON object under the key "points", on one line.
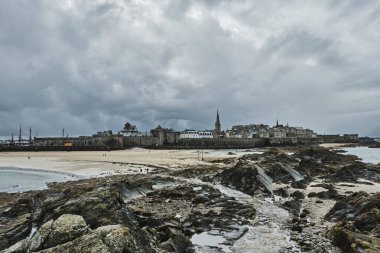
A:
{"points": [[194, 134]]}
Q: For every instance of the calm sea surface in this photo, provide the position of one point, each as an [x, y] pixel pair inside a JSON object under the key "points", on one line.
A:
{"points": [[369, 155], [19, 181]]}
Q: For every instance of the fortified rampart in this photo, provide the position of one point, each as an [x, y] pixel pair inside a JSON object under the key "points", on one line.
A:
{"points": [[293, 141], [336, 138], [160, 141], [222, 143]]}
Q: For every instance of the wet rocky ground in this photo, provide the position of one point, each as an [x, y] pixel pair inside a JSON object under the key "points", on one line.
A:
{"points": [[310, 200]]}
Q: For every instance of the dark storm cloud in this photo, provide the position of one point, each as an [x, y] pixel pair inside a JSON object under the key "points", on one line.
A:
{"points": [[91, 65]]}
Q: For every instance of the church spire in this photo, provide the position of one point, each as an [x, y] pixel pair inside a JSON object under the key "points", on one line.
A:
{"points": [[217, 118], [217, 129]]}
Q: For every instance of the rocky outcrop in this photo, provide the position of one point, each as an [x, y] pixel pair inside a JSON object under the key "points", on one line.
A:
{"points": [[353, 205], [344, 236], [325, 155], [353, 172], [189, 209], [359, 216], [242, 177], [69, 216], [70, 233], [331, 193], [16, 212]]}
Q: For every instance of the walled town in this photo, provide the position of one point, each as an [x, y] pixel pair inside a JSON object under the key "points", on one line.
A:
{"points": [[239, 136]]}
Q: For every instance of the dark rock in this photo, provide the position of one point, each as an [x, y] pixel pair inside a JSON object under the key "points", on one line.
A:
{"points": [[343, 235], [368, 221], [304, 213], [281, 192], [177, 242], [242, 177], [69, 233], [355, 171], [277, 172], [298, 195], [330, 194], [302, 184], [200, 199], [353, 205], [293, 206], [358, 215], [325, 155]]}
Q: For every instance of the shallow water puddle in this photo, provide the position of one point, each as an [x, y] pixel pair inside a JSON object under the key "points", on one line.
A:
{"points": [[211, 241], [268, 233]]}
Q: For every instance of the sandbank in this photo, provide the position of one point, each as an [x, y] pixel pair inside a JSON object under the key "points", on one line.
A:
{"points": [[102, 163]]}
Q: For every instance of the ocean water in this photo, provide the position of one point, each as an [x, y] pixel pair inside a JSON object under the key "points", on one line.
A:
{"points": [[368, 155], [21, 180]]}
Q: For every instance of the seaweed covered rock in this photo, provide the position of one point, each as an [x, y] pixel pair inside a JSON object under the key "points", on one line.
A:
{"points": [[350, 207], [278, 173], [359, 217], [353, 172], [242, 177], [343, 235], [325, 155]]}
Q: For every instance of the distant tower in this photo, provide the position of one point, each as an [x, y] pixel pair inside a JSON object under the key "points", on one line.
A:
{"points": [[30, 135], [13, 140], [19, 136], [277, 123], [218, 128], [63, 133]]}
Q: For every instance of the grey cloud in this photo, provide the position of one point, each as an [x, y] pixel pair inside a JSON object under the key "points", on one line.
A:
{"points": [[95, 64]]}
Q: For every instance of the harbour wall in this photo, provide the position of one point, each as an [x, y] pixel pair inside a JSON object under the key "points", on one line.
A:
{"points": [[160, 142]]}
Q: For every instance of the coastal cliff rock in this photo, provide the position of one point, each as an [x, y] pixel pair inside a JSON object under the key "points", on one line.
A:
{"points": [[75, 217], [242, 177], [15, 215], [359, 217], [120, 214], [70, 233]]}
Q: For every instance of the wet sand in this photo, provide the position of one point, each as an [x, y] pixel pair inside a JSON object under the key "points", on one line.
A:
{"points": [[97, 163]]}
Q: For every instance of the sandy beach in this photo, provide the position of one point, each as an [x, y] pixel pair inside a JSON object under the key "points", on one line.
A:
{"points": [[98, 163]]}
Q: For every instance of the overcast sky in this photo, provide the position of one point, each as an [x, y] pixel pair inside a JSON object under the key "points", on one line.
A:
{"points": [[93, 65]]}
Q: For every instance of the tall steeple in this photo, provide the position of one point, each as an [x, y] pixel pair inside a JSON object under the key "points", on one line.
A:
{"points": [[217, 129], [30, 135], [19, 136]]}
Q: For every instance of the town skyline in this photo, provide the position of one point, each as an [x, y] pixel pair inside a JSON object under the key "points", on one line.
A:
{"points": [[65, 132]]}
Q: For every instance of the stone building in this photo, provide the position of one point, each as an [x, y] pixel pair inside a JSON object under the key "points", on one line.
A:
{"points": [[131, 130], [165, 136]]}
